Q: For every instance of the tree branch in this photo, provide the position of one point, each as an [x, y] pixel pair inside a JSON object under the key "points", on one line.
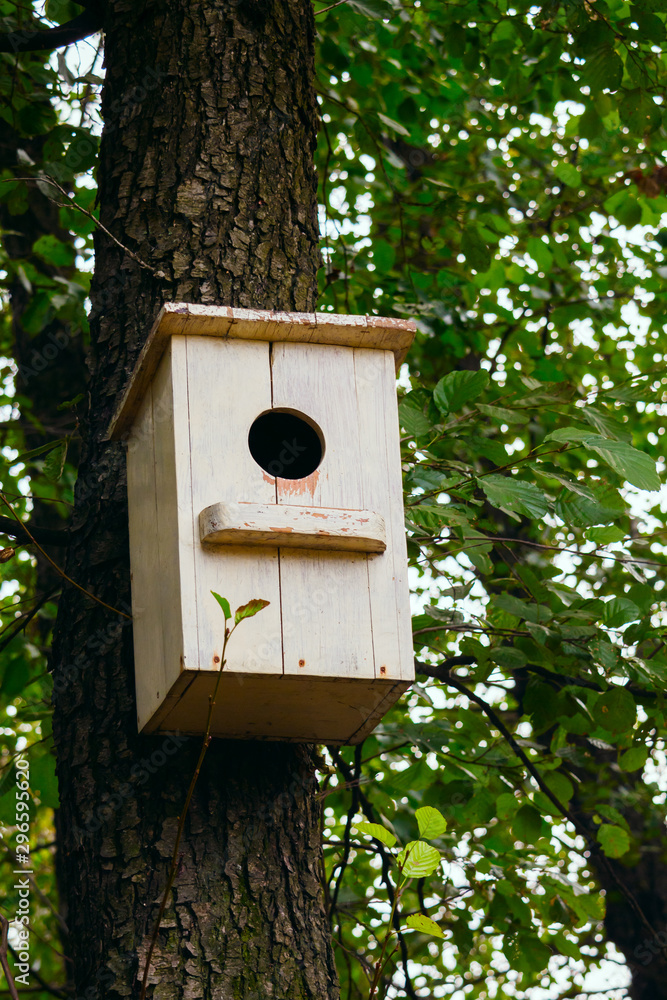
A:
{"points": [[442, 674], [46, 536], [4, 962], [38, 39]]}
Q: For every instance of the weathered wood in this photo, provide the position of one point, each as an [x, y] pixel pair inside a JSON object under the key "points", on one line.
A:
{"points": [[333, 635], [382, 333], [257, 706], [144, 543], [383, 491], [229, 384], [327, 550], [292, 527]]}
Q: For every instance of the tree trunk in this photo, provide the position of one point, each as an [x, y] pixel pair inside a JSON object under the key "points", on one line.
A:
{"points": [[206, 174]]}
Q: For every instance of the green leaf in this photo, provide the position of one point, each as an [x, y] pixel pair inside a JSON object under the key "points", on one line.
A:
{"points": [[54, 462], [605, 424], [515, 495], [54, 251], [250, 609], [378, 832], [509, 657], [568, 174], [418, 859], [633, 759], [384, 255], [604, 70], [559, 785], [615, 710], [521, 609], [614, 840], [527, 824], [224, 604], [635, 466], [431, 822], [41, 450], [582, 511], [540, 253], [477, 253], [458, 388], [419, 922], [503, 415], [619, 611], [43, 780], [413, 419], [507, 805], [606, 536], [448, 616], [568, 435], [15, 676], [393, 125]]}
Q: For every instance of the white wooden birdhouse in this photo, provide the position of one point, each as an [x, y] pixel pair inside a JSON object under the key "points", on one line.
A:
{"points": [[263, 462]]}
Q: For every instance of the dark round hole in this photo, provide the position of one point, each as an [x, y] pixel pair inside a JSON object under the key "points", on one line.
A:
{"points": [[285, 445]]}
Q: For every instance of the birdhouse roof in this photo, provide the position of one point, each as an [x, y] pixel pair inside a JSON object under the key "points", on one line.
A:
{"points": [[377, 332]]}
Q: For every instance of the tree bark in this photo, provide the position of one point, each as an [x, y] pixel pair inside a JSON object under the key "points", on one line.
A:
{"points": [[206, 174]]}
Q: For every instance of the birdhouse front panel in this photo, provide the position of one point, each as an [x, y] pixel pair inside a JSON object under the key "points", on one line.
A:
{"points": [[264, 462]]}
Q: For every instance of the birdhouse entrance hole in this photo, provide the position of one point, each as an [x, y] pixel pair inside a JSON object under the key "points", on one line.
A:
{"points": [[286, 444]]}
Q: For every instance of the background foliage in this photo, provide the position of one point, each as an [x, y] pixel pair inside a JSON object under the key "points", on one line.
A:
{"points": [[498, 172]]}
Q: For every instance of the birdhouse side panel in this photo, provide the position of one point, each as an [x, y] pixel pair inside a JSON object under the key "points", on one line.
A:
{"points": [[176, 524], [325, 602], [383, 492], [396, 524], [229, 385], [147, 627]]}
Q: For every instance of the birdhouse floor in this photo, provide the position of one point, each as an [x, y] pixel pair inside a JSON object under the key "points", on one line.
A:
{"points": [[296, 709]]}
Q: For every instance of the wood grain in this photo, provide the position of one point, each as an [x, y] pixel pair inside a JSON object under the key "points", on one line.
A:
{"points": [[385, 333], [229, 385], [383, 491], [292, 527], [149, 660], [291, 708], [333, 649]]}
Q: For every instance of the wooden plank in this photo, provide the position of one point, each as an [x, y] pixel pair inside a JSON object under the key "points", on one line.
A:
{"points": [[177, 459], [292, 526], [255, 324], [289, 708], [383, 491], [229, 385], [151, 684], [166, 586], [325, 606]]}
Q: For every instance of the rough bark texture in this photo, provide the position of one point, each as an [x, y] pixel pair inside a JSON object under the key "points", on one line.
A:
{"points": [[206, 173]]}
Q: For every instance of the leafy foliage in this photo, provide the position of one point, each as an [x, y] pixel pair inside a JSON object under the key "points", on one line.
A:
{"points": [[496, 172]]}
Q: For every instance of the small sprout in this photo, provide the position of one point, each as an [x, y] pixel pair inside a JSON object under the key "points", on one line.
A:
{"points": [[224, 604], [249, 609]]}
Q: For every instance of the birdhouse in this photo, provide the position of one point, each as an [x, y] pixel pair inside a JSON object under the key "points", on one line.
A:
{"points": [[263, 462]]}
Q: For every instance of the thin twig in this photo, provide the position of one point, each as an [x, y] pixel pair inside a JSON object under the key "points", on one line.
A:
{"points": [[4, 962], [61, 572], [324, 10], [19, 625], [89, 215], [447, 678], [188, 798]]}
